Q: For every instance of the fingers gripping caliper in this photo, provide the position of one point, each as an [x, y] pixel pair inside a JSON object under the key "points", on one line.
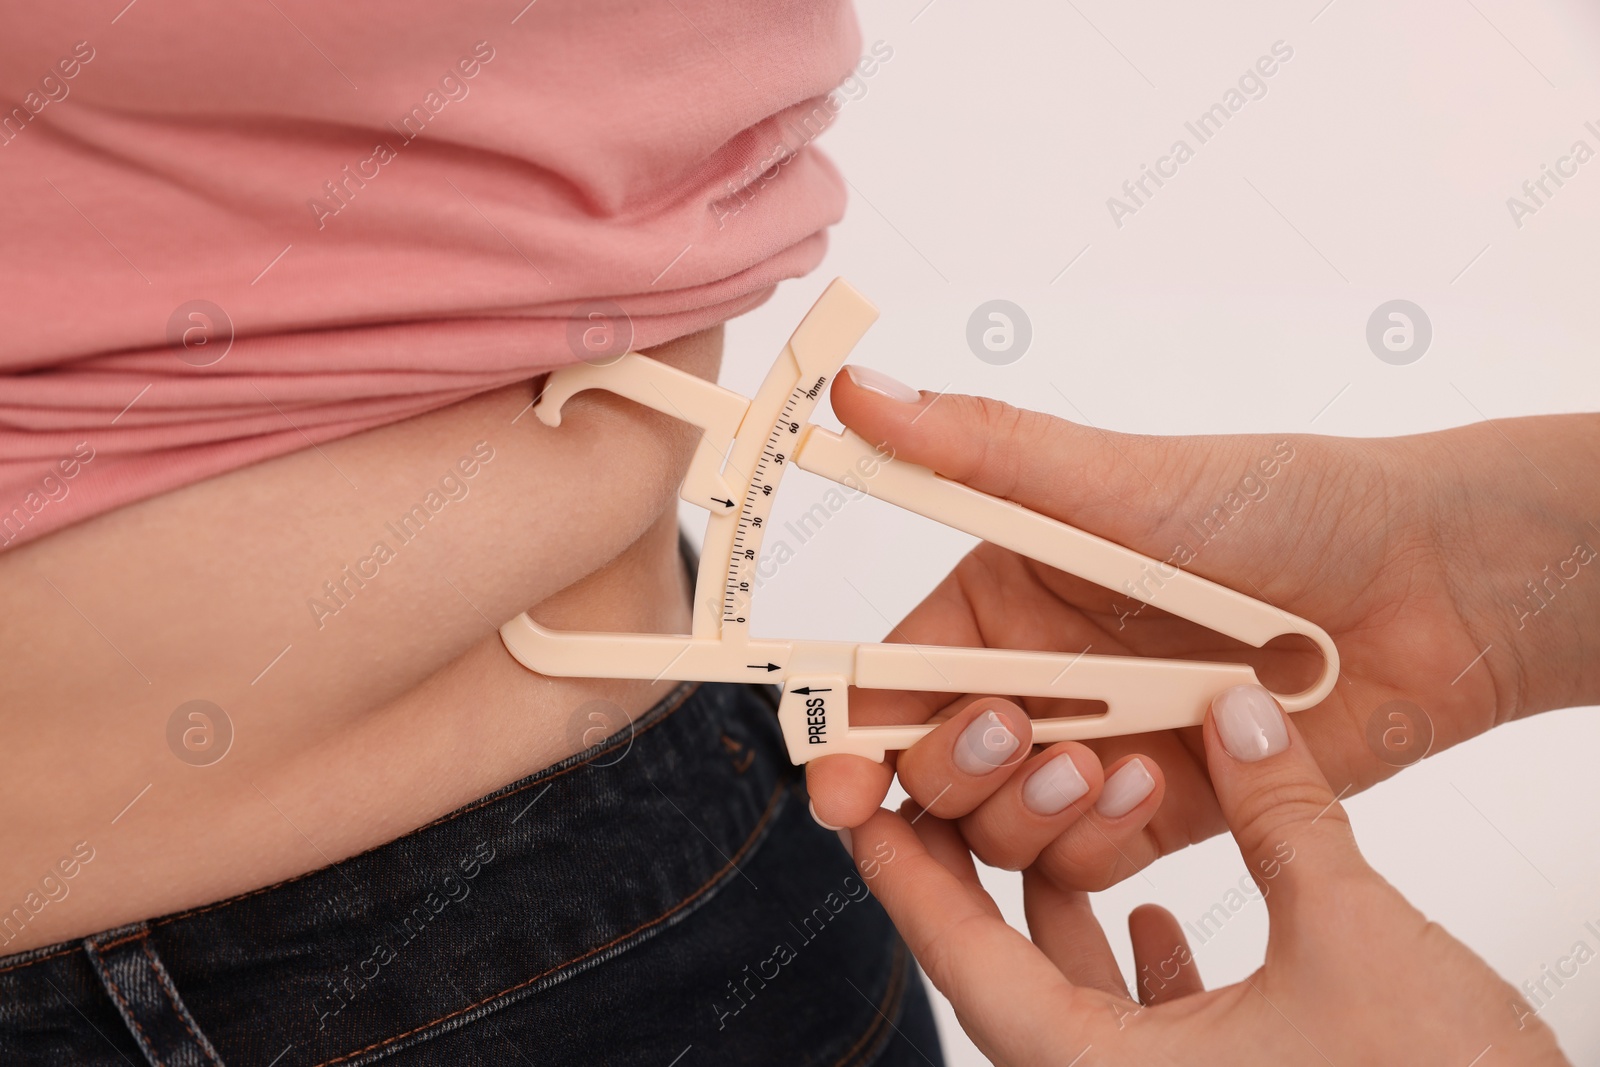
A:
{"points": [[745, 448]]}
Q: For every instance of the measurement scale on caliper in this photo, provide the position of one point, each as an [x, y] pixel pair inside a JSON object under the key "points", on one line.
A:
{"points": [[745, 448]]}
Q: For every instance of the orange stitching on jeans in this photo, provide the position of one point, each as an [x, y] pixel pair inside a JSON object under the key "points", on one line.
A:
{"points": [[538, 780], [127, 1012], [101, 946], [165, 982], [766, 816], [75, 946], [69, 950]]}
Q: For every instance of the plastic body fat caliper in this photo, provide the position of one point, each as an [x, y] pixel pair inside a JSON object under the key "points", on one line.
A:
{"points": [[745, 448]]}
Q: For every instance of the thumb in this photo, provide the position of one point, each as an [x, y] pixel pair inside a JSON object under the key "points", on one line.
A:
{"points": [[1039, 461], [1289, 825]]}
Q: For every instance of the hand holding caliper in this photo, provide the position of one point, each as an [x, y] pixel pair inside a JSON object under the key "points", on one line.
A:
{"points": [[748, 445]]}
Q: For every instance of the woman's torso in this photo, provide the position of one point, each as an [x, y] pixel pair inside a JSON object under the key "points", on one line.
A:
{"points": [[336, 603]]}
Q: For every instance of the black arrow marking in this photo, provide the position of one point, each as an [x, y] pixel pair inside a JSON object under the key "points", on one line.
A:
{"points": [[806, 690], [762, 666], [724, 503]]}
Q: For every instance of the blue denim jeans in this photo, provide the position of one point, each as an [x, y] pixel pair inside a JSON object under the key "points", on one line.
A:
{"points": [[661, 898]]}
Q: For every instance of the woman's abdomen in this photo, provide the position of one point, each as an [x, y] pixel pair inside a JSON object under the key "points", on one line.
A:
{"points": [[266, 672]]}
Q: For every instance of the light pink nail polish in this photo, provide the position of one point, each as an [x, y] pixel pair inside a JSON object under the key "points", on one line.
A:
{"points": [[1125, 790], [1249, 723], [878, 382], [1052, 787], [985, 744]]}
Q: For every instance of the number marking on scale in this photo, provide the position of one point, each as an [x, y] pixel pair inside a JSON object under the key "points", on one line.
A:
{"points": [[757, 507]]}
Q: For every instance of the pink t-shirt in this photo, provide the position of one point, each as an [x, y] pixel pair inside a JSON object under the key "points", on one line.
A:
{"points": [[233, 230]]}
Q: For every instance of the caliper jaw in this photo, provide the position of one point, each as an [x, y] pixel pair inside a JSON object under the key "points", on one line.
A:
{"points": [[717, 411]]}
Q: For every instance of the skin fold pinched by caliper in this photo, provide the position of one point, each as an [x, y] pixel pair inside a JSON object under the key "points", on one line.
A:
{"points": [[746, 446]]}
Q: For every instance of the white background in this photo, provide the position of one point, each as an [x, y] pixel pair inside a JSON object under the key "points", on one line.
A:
{"points": [[1376, 167]]}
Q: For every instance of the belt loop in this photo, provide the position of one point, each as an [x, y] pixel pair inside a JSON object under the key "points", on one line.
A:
{"points": [[147, 1000]]}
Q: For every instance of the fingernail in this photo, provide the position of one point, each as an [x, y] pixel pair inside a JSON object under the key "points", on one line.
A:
{"points": [[1125, 789], [844, 839], [985, 744], [818, 819], [1052, 787], [1249, 722], [878, 382]]}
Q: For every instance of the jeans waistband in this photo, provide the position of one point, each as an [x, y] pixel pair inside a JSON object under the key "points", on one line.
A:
{"points": [[590, 856]]}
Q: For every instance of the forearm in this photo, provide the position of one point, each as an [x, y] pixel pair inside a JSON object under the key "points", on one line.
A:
{"points": [[1518, 525]]}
